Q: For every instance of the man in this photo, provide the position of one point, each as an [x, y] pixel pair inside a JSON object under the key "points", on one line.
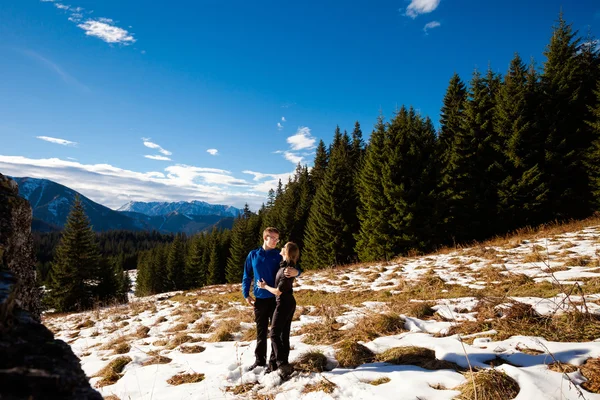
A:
{"points": [[263, 263]]}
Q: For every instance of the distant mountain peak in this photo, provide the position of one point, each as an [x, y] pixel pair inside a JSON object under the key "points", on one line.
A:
{"points": [[188, 208]]}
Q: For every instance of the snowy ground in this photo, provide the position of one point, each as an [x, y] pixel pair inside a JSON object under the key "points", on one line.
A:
{"points": [[180, 322]]}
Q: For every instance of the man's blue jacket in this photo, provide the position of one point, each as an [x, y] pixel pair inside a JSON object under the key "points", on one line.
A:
{"points": [[261, 264]]}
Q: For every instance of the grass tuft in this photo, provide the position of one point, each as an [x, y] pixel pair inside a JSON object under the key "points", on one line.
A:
{"points": [[181, 379], [112, 372], [488, 385], [324, 385], [192, 349], [158, 359], [418, 356], [351, 354], [311, 361], [379, 381], [557, 366], [591, 371], [122, 348]]}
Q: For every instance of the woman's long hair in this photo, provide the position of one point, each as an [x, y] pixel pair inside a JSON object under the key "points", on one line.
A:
{"points": [[292, 253]]}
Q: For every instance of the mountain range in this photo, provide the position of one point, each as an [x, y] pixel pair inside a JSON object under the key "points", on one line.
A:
{"points": [[51, 203]]}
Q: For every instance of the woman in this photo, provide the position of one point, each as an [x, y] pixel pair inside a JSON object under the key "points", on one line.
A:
{"points": [[284, 310]]}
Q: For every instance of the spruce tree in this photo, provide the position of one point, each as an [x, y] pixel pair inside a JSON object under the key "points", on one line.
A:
{"points": [[408, 180], [521, 191], [372, 211], [451, 120], [329, 237], [176, 264], [568, 136], [243, 240], [216, 270], [75, 269], [195, 271], [320, 165], [593, 155]]}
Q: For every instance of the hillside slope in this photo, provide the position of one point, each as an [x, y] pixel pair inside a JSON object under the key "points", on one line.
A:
{"points": [[508, 313]]}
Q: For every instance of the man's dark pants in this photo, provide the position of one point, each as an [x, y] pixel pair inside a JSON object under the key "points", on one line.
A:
{"points": [[263, 312]]}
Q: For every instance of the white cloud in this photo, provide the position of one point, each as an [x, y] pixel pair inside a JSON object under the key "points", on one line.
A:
{"points": [[63, 142], [212, 152], [279, 126], [270, 183], [153, 145], [159, 158], [417, 7], [113, 186], [302, 139], [104, 29], [282, 119], [292, 157], [431, 25]]}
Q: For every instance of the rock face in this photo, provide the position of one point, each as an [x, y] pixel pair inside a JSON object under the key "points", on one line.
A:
{"points": [[33, 365], [16, 246]]}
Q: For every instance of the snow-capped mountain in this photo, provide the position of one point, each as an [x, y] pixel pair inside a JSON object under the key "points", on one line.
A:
{"points": [[51, 203], [188, 208]]}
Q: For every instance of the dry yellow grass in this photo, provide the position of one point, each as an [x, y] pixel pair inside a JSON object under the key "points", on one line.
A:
{"points": [[240, 389], [324, 385], [181, 379], [311, 361], [379, 381], [122, 348], [141, 332], [521, 319], [591, 371], [351, 354], [418, 356], [88, 323], [488, 385], [557, 366], [112, 372], [179, 339], [248, 335], [177, 328], [158, 359], [191, 349]]}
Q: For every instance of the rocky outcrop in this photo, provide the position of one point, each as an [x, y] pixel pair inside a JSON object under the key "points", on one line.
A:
{"points": [[16, 246], [33, 365]]}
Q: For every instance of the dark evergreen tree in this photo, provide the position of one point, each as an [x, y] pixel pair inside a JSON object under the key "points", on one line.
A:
{"points": [[195, 270], [243, 239], [329, 238], [317, 173], [176, 264], [75, 269], [373, 214], [216, 270], [568, 137], [408, 180], [521, 191], [593, 154], [451, 120]]}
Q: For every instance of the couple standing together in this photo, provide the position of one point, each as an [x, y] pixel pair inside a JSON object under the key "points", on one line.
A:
{"points": [[273, 274]]}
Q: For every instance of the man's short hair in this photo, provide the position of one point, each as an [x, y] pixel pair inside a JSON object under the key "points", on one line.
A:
{"points": [[270, 230]]}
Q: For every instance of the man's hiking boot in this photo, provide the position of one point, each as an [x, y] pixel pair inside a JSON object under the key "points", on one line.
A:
{"points": [[285, 370], [255, 365], [272, 367]]}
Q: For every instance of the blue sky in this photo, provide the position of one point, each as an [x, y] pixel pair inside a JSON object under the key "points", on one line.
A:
{"points": [[216, 100]]}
